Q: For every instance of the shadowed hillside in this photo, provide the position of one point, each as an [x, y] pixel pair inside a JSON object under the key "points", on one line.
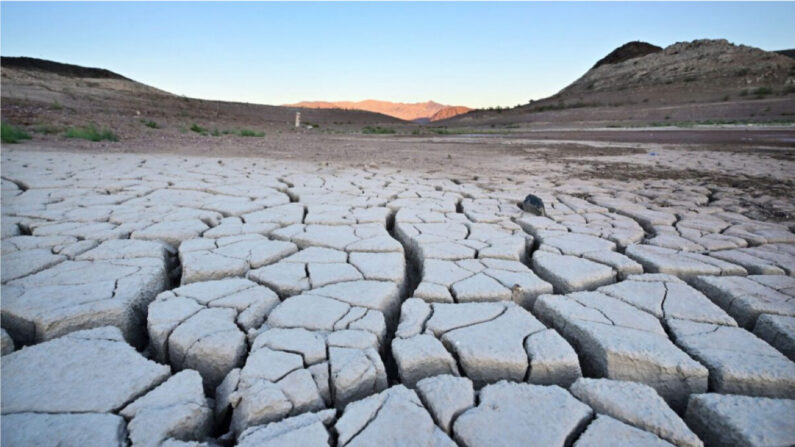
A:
{"points": [[53, 96], [68, 70], [628, 51]]}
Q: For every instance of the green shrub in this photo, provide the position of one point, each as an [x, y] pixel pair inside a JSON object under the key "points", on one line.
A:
{"points": [[251, 133], [215, 133], [198, 129], [56, 105], [13, 134], [151, 124], [91, 133], [377, 130]]}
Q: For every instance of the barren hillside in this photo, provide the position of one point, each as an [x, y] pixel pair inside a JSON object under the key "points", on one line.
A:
{"points": [[703, 69], [695, 81], [52, 96]]}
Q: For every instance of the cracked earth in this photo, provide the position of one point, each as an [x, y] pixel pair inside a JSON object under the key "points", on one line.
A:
{"points": [[182, 301]]}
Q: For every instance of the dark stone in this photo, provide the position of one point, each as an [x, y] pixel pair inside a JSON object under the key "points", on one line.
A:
{"points": [[534, 204]]}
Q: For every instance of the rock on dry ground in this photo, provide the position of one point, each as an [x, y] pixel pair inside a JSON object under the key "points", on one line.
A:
{"points": [[188, 301]]}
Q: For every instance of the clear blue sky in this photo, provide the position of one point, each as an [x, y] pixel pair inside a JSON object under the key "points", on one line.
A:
{"points": [[474, 54]]}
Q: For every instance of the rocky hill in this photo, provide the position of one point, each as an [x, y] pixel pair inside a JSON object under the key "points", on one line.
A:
{"points": [[420, 111], [700, 80], [686, 71]]}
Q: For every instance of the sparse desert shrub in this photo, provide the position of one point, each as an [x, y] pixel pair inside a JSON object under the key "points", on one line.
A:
{"points": [[251, 133], [788, 90], [150, 124], [742, 72], [198, 129], [91, 133], [377, 130], [215, 133], [12, 134], [56, 105], [761, 92]]}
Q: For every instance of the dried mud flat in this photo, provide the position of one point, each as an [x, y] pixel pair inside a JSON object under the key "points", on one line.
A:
{"points": [[364, 291]]}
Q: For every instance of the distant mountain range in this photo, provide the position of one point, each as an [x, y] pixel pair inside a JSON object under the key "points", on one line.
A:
{"points": [[422, 112]]}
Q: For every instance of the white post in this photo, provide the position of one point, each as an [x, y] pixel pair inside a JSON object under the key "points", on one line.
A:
{"points": [[297, 119]]}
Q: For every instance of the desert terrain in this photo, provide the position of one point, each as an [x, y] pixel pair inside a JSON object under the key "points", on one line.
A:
{"points": [[209, 274]]}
